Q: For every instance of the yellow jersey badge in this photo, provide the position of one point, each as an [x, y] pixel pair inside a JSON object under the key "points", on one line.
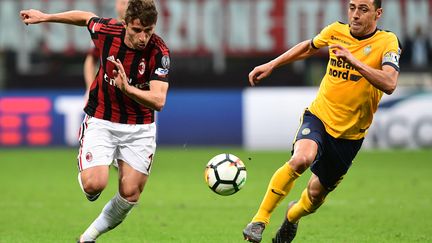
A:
{"points": [[367, 50]]}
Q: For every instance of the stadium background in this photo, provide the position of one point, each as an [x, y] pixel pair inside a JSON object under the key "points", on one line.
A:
{"points": [[210, 109], [214, 44]]}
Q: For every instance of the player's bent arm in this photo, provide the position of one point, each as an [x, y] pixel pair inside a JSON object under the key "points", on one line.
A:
{"points": [[154, 98], [74, 17], [384, 80]]}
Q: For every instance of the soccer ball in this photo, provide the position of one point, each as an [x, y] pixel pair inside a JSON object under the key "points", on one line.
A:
{"points": [[225, 174]]}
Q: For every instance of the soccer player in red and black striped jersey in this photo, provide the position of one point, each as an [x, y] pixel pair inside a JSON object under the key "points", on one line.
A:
{"points": [[131, 83]]}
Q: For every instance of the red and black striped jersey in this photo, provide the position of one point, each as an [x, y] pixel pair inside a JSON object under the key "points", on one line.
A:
{"points": [[141, 66]]}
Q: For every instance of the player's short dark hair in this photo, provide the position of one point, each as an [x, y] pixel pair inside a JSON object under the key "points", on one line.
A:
{"points": [[144, 10], [377, 4]]}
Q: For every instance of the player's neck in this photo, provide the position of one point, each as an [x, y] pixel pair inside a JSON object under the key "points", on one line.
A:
{"points": [[128, 43]]}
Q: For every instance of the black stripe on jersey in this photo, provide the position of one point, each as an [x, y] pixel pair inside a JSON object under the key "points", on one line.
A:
{"points": [[312, 44], [134, 73], [111, 30], [118, 93], [92, 102], [107, 102], [104, 20]]}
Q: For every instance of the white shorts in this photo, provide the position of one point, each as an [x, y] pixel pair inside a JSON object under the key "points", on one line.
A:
{"points": [[103, 141]]}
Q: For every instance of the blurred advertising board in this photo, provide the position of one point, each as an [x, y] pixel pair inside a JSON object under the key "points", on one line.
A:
{"points": [[50, 118], [37, 118], [403, 119], [233, 27], [255, 118]]}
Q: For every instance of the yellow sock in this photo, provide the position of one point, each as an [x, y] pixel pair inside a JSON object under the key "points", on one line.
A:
{"points": [[302, 208], [279, 186]]}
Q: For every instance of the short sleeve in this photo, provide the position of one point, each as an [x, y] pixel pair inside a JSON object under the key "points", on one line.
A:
{"points": [[162, 66], [94, 25], [322, 39], [392, 52]]}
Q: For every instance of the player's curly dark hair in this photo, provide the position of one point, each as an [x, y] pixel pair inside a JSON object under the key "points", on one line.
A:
{"points": [[144, 10]]}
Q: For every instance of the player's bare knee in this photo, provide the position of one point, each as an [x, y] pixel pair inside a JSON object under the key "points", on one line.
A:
{"points": [[300, 163], [130, 194], [94, 185], [316, 197]]}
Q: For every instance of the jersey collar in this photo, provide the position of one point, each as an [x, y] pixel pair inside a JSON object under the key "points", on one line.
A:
{"points": [[365, 36]]}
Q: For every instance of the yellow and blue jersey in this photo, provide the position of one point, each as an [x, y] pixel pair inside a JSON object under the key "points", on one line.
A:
{"points": [[346, 101]]}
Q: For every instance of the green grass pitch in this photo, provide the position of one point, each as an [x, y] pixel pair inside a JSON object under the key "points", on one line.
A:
{"points": [[385, 197]]}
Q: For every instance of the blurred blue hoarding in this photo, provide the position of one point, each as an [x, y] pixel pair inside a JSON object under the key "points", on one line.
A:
{"points": [[201, 117], [50, 118]]}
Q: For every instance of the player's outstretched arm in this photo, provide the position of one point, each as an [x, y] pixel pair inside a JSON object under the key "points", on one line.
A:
{"points": [[154, 98], [384, 80], [298, 52], [75, 17]]}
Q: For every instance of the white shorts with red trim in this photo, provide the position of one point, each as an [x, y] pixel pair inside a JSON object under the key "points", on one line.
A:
{"points": [[103, 141]]}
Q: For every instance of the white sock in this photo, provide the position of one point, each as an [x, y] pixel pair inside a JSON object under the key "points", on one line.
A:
{"points": [[114, 212]]}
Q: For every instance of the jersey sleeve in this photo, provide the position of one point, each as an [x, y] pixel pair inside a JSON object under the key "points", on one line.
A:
{"points": [[392, 52], [321, 40], [162, 66], [101, 26], [94, 26]]}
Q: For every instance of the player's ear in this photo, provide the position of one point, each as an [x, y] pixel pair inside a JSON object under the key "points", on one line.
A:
{"points": [[124, 23], [378, 13]]}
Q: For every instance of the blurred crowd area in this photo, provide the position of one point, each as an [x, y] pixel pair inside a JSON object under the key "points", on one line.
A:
{"points": [[214, 43]]}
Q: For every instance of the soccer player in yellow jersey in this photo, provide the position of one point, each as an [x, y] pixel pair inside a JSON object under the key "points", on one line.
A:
{"points": [[363, 64]]}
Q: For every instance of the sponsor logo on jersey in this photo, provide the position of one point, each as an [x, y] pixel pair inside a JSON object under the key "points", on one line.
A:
{"points": [[111, 81], [340, 40], [161, 72], [335, 70], [111, 58], [306, 131]]}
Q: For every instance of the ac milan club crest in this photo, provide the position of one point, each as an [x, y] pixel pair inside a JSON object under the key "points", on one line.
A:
{"points": [[89, 157], [141, 67]]}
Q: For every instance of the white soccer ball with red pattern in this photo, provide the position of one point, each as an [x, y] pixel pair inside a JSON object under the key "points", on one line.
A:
{"points": [[225, 174]]}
